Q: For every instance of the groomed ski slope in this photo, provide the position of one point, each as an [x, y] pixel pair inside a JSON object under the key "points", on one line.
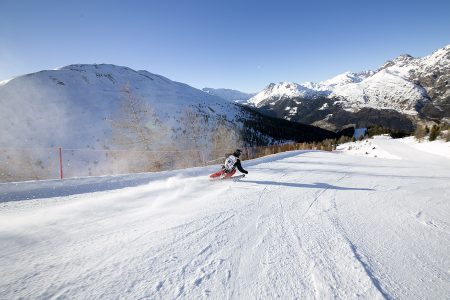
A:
{"points": [[307, 225]]}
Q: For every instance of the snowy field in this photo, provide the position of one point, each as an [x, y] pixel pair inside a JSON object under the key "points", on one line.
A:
{"points": [[302, 224]]}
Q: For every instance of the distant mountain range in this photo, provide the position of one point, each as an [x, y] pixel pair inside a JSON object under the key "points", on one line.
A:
{"points": [[229, 95], [395, 95]]}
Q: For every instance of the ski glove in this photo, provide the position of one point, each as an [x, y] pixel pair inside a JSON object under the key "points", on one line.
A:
{"points": [[245, 172]]}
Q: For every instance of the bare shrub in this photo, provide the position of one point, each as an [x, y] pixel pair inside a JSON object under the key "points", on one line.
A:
{"points": [[137, 129], [420, 133]]}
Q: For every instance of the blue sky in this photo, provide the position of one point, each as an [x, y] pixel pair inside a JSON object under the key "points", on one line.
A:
{"points": [[243, 45]]}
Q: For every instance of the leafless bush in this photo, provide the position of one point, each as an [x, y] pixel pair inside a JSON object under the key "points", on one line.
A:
{"points": [[137, 128]]}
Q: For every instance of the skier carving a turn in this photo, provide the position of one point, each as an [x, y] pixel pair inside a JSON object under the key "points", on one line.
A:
{"points": [[229, 167]]}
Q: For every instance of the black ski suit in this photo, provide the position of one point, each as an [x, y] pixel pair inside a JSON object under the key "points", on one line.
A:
{"points": [[239, 166]]}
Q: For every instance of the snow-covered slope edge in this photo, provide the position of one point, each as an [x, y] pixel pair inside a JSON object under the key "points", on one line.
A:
{"points": [[38, 189], [386, 147]]}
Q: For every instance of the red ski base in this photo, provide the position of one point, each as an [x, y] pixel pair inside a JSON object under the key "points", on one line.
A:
{"points": [[227, 178], [222, 174]]}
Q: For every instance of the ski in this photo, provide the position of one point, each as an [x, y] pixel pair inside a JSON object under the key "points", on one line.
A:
{"points": [[234, 178]]}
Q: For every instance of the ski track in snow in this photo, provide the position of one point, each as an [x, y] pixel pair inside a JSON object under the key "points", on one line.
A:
{"points": [[303, 224]]}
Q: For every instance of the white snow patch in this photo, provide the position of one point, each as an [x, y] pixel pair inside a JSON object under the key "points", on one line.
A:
{"points": [[3, 82], [386, 147], [369, 148], [437, 147], [324, 106]]}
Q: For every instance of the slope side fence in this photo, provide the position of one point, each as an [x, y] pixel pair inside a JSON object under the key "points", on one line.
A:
{"points": [[21, 164]]}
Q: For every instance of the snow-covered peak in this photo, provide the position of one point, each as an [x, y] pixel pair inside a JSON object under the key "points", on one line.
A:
{"points": [[307, 90], [400, 61], [394, 85], [346, 78], [338, 80], [405, 65], [313, 85], [283, 90], [439, 58]]}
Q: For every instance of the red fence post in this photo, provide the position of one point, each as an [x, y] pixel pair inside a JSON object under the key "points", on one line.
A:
{"points": [[60, 164]]}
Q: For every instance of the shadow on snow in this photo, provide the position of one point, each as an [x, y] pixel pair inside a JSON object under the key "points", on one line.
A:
{"points": [[316, 185]]}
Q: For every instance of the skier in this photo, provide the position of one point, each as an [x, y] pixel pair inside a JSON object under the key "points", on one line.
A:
{"points": [[229, 167]]}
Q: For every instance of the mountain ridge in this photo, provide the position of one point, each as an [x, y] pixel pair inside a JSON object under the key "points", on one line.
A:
{"points": [[229, 94], [414, 87]]}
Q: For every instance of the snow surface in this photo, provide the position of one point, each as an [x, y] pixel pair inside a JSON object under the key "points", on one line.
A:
{"points": [[371, 148], [437, 147], [302, 224]]}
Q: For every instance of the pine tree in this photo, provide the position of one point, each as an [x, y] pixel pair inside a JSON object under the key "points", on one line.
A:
{"points": [[434, 132]]}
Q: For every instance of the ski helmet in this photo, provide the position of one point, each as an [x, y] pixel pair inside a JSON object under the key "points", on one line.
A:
{"points": [[237, 153]]}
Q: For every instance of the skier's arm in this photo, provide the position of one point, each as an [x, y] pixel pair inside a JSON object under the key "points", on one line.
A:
{"points": [[239, 167]]}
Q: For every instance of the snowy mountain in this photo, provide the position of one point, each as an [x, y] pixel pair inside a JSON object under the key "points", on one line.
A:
{"points": [[283, 90], [110, 119], [74, 106], [383, 90], [408, 86], [229, 95], [339, 80], [432, 73]]}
